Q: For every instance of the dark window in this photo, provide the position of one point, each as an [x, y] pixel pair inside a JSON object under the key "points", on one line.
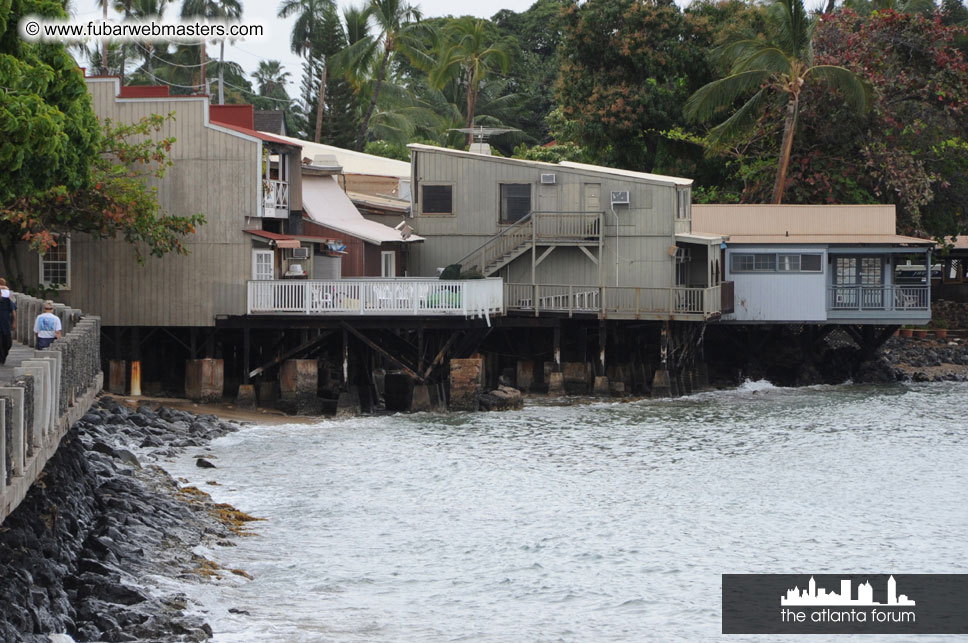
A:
{"points": [[811, 263], [438, 199], [515, 201]]}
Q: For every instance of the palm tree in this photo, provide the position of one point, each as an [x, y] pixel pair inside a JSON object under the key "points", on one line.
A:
{"points": [[313, 17], [782, 68], [395, 23], [223, 10], [144, 10], [471, 56], [271, 79]]}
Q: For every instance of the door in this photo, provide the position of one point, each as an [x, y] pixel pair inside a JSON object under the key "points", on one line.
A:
{"points": [[858, 283], [388, 264], [262, 265], [593, 197]]}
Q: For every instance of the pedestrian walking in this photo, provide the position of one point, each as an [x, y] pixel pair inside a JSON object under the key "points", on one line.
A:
{"points": [[47, 326]]}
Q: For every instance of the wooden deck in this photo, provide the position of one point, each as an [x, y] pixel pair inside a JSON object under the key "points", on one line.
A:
{"points": [[407, 297]]}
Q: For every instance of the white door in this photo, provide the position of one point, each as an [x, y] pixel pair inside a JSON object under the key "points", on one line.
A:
{"points": [[262, 265], [388, 264]]}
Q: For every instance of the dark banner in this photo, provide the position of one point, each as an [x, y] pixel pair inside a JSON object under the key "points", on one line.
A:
{"points": [[845, 604]]}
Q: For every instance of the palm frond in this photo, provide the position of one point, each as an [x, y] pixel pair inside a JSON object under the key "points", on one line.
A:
{"points": [[856, 91], [766, 58], [722, 93], [737, 124]]}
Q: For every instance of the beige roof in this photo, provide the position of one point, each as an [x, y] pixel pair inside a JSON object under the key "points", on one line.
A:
{"points": [[326, 204], [655, 178], [354, 162], [851, 239], [853, 224]]}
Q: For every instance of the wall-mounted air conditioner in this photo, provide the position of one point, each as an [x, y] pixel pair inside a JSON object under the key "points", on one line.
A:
{"points": [[620, 198], [300, 253], [547, 179]]}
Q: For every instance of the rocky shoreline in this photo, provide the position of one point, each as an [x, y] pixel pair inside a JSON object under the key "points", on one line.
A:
{"points": [[77, 556], [927, 360]]}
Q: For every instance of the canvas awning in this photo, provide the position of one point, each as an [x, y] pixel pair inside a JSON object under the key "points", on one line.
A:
{"points": [[325, 203]]}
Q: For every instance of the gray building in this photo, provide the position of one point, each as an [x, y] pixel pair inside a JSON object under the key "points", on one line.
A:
{"points": [[566, 238]]}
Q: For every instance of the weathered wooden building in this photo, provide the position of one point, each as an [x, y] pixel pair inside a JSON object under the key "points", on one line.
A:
{"points": [[566, 238]]}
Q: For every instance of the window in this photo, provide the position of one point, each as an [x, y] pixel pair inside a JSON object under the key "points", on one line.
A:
{"points": [[515, 201], [438, 199], [55, 265], [788, 263], [682, 204], [262, 268], [388, 264], [769, 262], [871, 271], [811, 263]]}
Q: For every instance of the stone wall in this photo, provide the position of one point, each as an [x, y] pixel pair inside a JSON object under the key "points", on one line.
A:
{"points": [[42, 393], [952, 314]]}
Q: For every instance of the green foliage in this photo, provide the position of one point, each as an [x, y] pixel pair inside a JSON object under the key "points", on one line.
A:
{"points": [[388, 150], [48, 131], [627, 67], [550, 153], [116, 204]]}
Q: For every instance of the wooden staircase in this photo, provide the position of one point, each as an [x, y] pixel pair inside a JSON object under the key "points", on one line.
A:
{"points": [[535, 229]]}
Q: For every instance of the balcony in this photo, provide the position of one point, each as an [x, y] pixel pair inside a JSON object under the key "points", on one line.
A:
{"points": [[275, 198], [412, 297], [890, 303], [616, 302]]}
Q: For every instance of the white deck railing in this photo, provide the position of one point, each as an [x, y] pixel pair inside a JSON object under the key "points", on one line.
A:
{"points": [[275, 194], [878, 298], [414, 297], [616, 301]]}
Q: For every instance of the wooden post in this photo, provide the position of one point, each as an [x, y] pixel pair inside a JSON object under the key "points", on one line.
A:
{"points": [[420, 349], [135, 361], [557, 347], [601, 346], [346, 360], [246, 350]]}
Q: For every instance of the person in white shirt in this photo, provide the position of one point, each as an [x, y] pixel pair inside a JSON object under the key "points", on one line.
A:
{"points": [[47, 326]]}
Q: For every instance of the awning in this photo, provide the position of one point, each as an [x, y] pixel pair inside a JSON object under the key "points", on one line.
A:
{"points": [[326, 204], [286, 240], [701, 238]]}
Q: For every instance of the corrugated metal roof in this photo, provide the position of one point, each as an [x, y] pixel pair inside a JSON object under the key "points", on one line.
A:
{"points": [[598, 169], [283, 140], [780, 220], [379, 202], [831, 239], [354, 162], [326, 204], [699, 237]]}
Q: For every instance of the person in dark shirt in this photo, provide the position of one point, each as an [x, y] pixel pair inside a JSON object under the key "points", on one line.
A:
{"points": [[8, 319]]}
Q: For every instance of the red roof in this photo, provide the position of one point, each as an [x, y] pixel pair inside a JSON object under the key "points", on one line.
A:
{"points": [[238, 115], [275, 236], [260, 135], [144, 91]]}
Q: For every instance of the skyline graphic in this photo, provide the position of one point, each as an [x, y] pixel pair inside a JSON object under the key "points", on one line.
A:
{"points": [[812, 595]]}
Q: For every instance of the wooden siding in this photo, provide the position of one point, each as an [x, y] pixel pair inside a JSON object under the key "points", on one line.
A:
{"points": [[214, 173], [636, 237]]}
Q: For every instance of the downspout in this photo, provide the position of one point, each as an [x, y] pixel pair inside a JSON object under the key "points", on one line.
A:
{"points": [[615, 249]]}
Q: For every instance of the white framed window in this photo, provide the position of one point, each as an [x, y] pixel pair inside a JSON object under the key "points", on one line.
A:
{"points": [[262, 265], [388, 264], [55, 265]]}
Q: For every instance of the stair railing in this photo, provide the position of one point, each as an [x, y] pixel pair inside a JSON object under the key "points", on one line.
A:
{"points": [[505, 242]]}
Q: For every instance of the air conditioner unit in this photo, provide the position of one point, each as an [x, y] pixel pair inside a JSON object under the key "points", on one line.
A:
{"points": [[547, 179], [300, 253], [620, 198]]}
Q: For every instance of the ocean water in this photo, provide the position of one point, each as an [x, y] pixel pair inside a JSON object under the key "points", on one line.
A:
{"points": [[594, 522]]}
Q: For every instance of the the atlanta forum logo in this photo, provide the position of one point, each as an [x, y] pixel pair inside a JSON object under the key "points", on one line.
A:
{"points": [[832, 607]]}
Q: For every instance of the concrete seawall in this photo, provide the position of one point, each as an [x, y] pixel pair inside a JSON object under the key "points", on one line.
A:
{"points": [[43, 393]]}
